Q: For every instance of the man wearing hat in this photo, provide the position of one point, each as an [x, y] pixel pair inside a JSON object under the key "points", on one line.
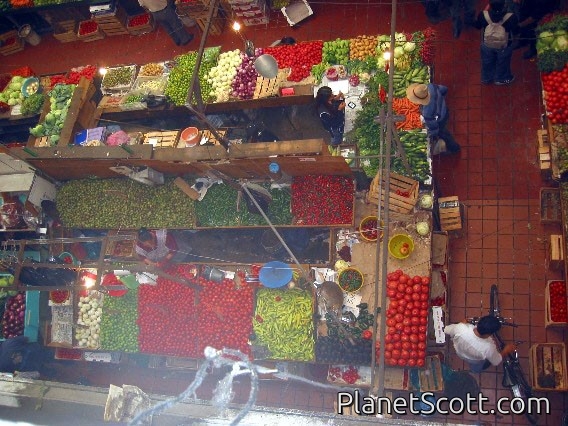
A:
{"points": [[432, 102]]}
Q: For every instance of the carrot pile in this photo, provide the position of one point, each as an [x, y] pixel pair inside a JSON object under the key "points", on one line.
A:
{"points": [[402, 106]]}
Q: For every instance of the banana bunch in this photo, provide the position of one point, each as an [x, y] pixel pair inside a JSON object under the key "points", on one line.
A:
{"points": [[403, 79]]}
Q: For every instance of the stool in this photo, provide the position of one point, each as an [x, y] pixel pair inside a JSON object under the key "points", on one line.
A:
{"points": [[450, 213]]}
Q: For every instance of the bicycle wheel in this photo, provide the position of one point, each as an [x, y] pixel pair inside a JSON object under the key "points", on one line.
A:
{"points": [[524, 391], [494, 301]]}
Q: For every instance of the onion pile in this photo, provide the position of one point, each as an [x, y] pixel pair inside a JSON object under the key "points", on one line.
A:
{"points": [[221, 76], [90, 311], [13, 319], [244, 83]]}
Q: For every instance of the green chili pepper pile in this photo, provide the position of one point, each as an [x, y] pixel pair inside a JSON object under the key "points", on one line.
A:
{"points": [[119, 323], [283, 322], [219, 208]]}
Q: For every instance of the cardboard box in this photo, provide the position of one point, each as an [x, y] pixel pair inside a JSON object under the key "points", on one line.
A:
{"points": [[297, 12]]}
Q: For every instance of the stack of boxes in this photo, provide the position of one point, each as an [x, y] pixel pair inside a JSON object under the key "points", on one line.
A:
{"points": [[250, 12], [198, 10]]}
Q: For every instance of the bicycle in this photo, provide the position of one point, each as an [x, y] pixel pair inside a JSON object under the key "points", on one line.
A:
{"points": [[513, 376]]}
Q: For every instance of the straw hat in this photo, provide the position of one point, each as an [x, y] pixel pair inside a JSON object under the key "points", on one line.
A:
{"points": [[418, 93]]}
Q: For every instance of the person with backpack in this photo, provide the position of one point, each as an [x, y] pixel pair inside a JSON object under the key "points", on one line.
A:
{"points": [[497, 28]]}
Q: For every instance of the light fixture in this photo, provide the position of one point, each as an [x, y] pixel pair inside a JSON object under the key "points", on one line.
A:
{"points": [[102, 71], [249, 46], [386, 57], [89, 277]]}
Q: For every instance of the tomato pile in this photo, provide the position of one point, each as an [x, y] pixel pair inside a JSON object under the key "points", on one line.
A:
{"points": [[558, 302], [58, 296], [225, 313], [167, 317], [87, 71], [402, 193], [138, 20], [555, 85], [88, 27], [322, 200], [299, 57], [23, 71], [407, 320]]}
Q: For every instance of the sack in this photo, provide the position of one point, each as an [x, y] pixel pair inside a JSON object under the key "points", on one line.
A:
{"points": [[440, 147], [495, 35]]}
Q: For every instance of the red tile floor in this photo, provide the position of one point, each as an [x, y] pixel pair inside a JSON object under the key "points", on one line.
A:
{"points": [[495, 176]]}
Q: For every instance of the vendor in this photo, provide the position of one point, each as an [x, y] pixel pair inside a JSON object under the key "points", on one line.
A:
{"points": [[17, 354], [331, 111], [158, 248]]}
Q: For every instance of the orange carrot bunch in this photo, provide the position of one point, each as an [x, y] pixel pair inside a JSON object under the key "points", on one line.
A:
{"points": [[403, 106]]}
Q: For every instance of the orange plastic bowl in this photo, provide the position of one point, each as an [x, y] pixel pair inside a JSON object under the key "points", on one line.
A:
{"points": [[190, 136]]}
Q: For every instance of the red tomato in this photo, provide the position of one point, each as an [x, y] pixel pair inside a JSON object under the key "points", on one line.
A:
{"points": [[411, 362], [404, 354], [395, 353], [401, 362], [416, 279], [391, 322], [403, 279], [399, 317], [417, 288], [420, 362]]}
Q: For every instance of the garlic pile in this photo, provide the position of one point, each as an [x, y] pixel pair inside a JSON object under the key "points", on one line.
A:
{"points": [[90, 311]]}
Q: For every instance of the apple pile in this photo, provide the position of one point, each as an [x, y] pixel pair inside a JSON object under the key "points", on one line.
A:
{"points": [[407, 320]]}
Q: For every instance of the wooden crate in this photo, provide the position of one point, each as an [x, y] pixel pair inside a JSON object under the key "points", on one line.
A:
{"points": [[67, 25], [556, 252], [211, 137], [66, 36], [162, 139], [550, 206], [267, 87], [217, 24], [93, 36], [141, 29], [548, 322], [431, 379], [16, 46], [450, 217], [397, 203], [544, 154], [123, 249], [548, 367], [42, 142]]}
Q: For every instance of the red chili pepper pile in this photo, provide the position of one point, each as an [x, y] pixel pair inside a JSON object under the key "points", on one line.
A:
{"points": [[167, 317], [403, 193], [322, 200], [225, 315], [23, 72], [138, 20], [299, 57], [427, 52], [88, 27], [75, 74]]}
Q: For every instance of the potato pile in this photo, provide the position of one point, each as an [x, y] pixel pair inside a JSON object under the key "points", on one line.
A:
{"points": [[362, 46]]}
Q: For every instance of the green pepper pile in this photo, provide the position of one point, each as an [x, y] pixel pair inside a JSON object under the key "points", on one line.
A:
{"points": [[283, 323], [119, 323], [219, 208]]}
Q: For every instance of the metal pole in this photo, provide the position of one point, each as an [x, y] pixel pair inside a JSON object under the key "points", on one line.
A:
{"points": [[304, 272], [382, 252]]}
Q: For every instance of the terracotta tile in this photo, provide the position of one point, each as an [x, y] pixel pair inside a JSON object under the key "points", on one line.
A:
{"points": [[474, 270], [490, 270], [506, 285], [491, 255]]}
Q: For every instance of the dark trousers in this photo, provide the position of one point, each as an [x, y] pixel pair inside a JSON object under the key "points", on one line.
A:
{"points": [[468, 11], [172, 24], [496, 64], [446, 136]]}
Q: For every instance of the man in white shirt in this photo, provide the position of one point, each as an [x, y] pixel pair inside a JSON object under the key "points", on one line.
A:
{"points": [[475, 345], [164, 12]]}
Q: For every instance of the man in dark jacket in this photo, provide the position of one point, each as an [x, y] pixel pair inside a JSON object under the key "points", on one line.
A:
{"points": [[530, 14], [433, 108]]}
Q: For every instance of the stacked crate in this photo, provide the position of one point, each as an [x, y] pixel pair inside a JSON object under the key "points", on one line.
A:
{"points": [[112, 23], [64, 22], [10, 43], [65, 31], [198, 10], [250, 12]]}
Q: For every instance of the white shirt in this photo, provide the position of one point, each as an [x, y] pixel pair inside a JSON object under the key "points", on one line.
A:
{"points": [[470, 347]]}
